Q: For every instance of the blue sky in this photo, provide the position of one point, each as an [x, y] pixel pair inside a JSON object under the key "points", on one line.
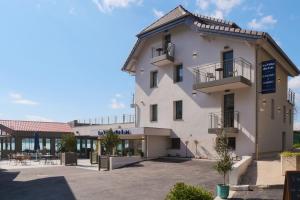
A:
{"points": [[60, 59]]}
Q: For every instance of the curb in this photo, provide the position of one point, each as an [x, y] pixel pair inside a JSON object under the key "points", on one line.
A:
{"points": [[255, 187]]}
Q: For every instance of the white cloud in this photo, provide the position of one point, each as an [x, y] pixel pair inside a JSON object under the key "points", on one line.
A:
{"points": [[158, 13], [72, 11], [294, 83], [262, 23], [19, 99], [116, 104], [118, 95], [109, 5], [38, 118], [217, 8]]}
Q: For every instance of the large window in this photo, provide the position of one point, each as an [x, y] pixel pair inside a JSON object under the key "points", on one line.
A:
{"points": [[153, 79], [57, 144], [48, 144], [178, 73], [177, 110], [27, 144], [153, 113], [175, 143]]}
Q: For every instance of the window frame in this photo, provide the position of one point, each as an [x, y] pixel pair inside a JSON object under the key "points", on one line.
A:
{"points": [[152, 119], [175, 110], [153, 83], [176, 75]]}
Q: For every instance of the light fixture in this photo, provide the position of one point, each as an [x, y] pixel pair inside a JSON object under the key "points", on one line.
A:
{"points": [[195, 54], [194, 93], [278, 108], [261, 109], [142, 70], [264, 102], [279, 79]]}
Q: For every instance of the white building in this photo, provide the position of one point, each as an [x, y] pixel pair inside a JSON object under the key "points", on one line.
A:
{"points": [[196, 74]]}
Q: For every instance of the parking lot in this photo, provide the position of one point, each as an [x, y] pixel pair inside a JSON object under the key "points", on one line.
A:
{"points": [[146, 180]]}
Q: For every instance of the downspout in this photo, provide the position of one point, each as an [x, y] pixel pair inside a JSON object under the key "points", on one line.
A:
{"points": [[256, 102]]}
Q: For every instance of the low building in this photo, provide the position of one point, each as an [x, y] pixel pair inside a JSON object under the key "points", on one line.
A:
{"points": [[18, 136]]}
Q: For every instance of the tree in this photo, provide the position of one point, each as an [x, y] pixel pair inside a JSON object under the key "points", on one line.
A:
{"points": [[225, 162], [68, 143], [110, 141]]}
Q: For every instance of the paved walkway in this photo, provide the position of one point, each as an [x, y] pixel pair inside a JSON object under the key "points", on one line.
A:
{"points": [[149, 180]]}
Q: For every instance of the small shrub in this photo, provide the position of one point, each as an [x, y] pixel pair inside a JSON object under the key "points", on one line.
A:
{"points": [[289, 154], [296, 146], [181, 191]]}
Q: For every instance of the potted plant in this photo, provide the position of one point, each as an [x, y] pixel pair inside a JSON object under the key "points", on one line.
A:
{"points": [[224, 163], [67, 148]]}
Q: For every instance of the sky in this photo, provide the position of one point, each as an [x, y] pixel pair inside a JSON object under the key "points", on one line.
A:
{"points": [[60, 60]]}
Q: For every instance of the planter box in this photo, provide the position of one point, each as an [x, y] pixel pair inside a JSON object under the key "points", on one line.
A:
{"points": [[69, 158], [291, 163]]}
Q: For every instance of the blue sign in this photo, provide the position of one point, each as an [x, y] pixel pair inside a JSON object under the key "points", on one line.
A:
{"points": [[268, 75], [119, 132]]}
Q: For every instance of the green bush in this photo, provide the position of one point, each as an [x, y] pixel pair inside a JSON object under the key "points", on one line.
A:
{"points": [[181, 191], [289, 154], [296, 146]]}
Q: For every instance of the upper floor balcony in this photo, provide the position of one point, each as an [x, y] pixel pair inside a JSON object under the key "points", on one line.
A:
{"points": [[220, 76], [163, 55], [227, 121], [291, 97]]}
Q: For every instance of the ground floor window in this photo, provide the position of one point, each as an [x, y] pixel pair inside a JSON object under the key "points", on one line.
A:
{"points": [[57, 144], [175, 143], [231, 143], [27, 144]]}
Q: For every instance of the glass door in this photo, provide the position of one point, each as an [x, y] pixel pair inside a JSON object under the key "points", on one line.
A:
{"points": [[228, 110], [227, 64]]}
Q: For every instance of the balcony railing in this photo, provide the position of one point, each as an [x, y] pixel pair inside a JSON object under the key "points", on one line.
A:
{"points": [[169, 50], [291, 97], [222, 70], [226, 120], [162, 56], [122, 119]]}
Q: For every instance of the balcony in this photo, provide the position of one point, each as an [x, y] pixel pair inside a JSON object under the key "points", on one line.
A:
{"points": [[162, 56], [221, 76], [227, 121], [291, 97]]}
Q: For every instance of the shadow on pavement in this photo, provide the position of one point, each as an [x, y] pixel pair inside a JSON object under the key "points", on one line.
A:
{"points": [[44, 188], [172, 160]]}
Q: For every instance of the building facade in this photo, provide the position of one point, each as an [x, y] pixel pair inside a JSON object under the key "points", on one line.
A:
{"points": [[199, 76]]}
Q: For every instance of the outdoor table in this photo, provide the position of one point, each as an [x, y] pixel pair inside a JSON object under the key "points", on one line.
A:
{"points": [[220, 70]]}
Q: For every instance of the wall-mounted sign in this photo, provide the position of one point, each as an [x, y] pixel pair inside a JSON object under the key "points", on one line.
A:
{"points": [[119, 132], [268, 76]]}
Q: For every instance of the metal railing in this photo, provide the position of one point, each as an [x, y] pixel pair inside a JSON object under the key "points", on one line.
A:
{"points": [[121, 119], [291, 96], [228, 119], [168, 50], [221, 70]]}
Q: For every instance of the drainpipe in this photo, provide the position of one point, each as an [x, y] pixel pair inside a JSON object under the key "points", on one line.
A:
{"points": [[256, 101]]}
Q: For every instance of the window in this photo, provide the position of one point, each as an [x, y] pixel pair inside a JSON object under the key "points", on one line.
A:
{"points": [[290, 116], [177, 110], [48, 144], [153, 113], [272, 109], [178, 73], [153, 79], [231, 143], [284, 114], [27, 144], [175, 143]]}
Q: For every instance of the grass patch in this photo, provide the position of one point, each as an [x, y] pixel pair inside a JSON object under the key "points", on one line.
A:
{"points": [[289, 154]]}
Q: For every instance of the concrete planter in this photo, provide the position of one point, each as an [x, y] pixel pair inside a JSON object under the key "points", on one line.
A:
{"points": [[68, 158], [290, 163]]}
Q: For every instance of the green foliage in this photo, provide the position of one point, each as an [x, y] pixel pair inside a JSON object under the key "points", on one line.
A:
{"points": [[225, 162], [296, 146], [110, 141], [289, 154], [68, 144], [181, 191]]}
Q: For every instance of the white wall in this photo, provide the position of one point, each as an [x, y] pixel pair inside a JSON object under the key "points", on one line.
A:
{"points": [[194, 125]]}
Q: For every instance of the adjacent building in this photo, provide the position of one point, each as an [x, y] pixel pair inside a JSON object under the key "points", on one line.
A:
{"points": [[198, 76]]}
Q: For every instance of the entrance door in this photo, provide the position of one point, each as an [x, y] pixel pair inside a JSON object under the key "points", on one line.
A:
{"points": [[228, 110], [227, 64]]}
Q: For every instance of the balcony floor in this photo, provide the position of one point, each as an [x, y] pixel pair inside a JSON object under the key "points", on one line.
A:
{"points": [[229, 83]]}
